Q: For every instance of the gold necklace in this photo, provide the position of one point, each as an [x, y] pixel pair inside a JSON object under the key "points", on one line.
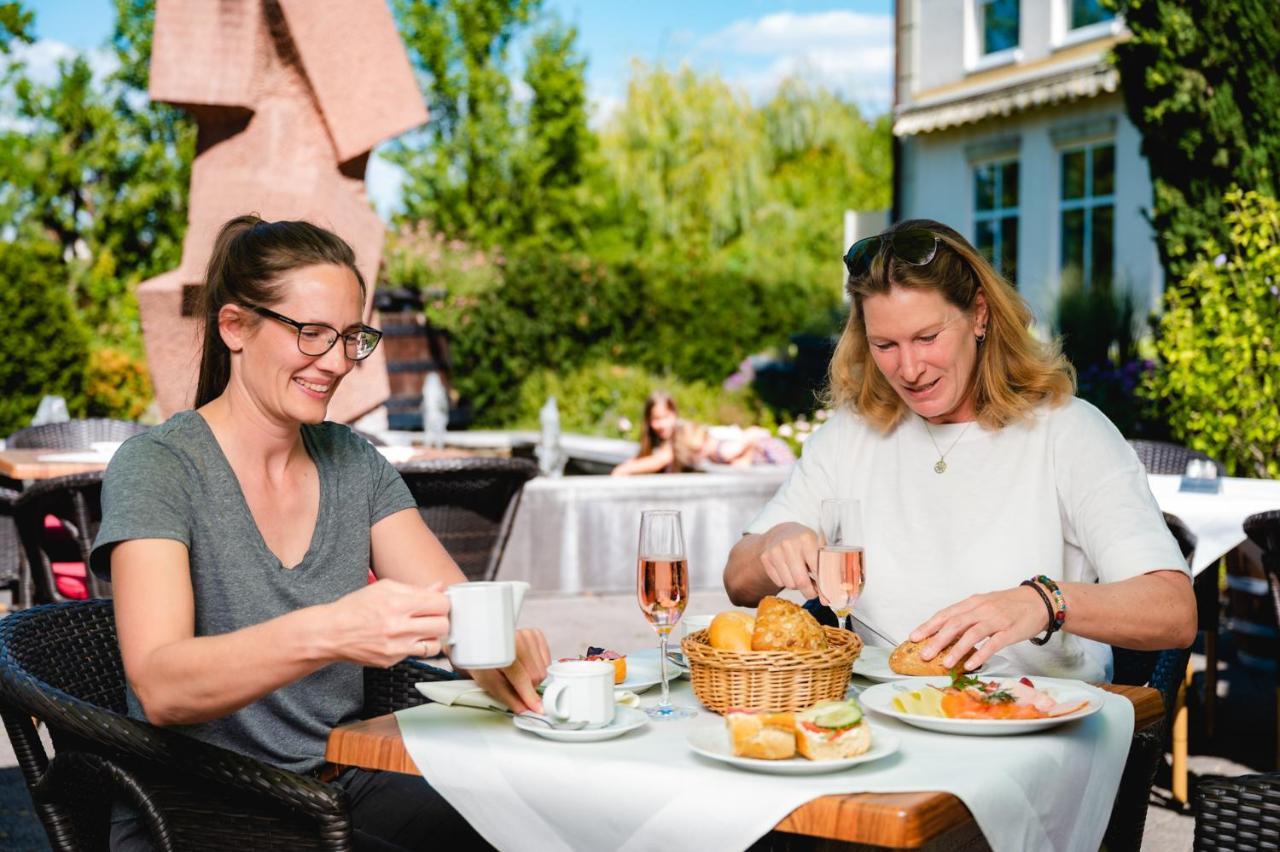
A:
{"points": [[940, 466]]}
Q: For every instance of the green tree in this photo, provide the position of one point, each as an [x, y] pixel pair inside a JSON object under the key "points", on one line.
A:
{"points": [[686, 154], [552, 166], [1219, 342], [1201, 81], [15, 22], [459, 169], [100, 174]]}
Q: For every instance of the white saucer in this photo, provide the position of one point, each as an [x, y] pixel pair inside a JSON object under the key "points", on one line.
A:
{"points": [[646, 662], [713, 741], [624, 720]]}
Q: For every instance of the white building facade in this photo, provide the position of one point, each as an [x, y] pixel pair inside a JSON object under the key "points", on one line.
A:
{"points": [[1009, 126]]}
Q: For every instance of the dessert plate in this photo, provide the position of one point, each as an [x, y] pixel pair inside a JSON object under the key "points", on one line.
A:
{"points": [[873, 664], [712, 741]]}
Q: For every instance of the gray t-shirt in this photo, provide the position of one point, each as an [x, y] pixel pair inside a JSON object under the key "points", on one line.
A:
{"points": [[174, 482]]}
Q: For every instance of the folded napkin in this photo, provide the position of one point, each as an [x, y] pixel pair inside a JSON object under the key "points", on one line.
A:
{"points": [[465, 693]]}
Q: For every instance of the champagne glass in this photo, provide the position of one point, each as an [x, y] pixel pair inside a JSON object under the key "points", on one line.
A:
{"points": [[841, 572], [662, 586]]}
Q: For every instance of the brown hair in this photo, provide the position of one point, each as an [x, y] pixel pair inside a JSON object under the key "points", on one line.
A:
{"points": [[1015, 372], [248, 258], [649, 440]]}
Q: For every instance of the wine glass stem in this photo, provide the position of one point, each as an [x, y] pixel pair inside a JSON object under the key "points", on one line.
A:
{"points": [[662, 663]]}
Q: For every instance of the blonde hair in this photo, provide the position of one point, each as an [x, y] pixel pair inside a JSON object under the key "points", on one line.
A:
{"points": [[1015, 372], [687, 444]]}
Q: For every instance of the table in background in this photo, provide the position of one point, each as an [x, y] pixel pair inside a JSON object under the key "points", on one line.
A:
{"points": [[895, 820], [26, 465], [579, 533]]}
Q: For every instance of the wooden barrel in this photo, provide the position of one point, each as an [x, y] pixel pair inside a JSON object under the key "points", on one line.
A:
{"points": [[1251, 612], [413, 350]]}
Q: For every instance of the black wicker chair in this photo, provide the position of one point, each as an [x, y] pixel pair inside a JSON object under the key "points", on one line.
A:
{"points": [[1164, 457], [60, 666], [1263, 529], [73, 434], [13, 564], [1237, 813], [77, 501], [469, 504]]}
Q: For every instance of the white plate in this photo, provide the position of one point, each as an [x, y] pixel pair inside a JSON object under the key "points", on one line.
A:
{"points": [[873, 664], [646, 660], [641, 677], [624, 720], [713, 741], [880, 699]]}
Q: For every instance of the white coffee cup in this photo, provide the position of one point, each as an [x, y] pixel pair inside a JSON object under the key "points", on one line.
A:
{"points": [[482, 623], [694, 623], [580, 691]]}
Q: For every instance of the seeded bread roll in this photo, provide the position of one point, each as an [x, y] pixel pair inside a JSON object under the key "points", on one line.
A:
{"points": [[783, 626], [905, 659]]}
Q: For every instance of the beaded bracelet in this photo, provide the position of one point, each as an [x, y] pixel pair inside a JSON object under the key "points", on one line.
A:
{"points": [[1048, 608], [1060, 601]]}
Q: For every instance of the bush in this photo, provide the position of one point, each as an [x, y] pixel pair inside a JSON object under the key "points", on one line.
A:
{"points": [[607, 399], [118, 385], [43, 346], [1219, 371]]}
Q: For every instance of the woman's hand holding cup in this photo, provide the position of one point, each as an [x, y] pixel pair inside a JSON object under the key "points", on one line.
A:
{"points": [[387, 621]]}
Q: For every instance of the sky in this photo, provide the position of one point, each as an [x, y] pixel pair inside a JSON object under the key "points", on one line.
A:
{"points": [[846, 46]]}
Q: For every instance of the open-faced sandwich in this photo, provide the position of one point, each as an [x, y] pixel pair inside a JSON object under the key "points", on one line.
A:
{"points": [[830, 730], [971, 698], [619, 661]]}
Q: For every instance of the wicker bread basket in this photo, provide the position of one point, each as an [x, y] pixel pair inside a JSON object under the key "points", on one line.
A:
{"points": [[775, 681]]}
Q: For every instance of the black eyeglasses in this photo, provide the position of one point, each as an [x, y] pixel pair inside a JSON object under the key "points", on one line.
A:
{"points": [[915, 246], [316, 338]]}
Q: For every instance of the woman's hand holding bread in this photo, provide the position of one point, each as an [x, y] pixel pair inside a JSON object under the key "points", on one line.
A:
{"points": [[1001, 618], [790, 556]]}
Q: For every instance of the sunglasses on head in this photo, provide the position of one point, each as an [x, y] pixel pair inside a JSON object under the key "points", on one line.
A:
{"points": [[915, 246]]}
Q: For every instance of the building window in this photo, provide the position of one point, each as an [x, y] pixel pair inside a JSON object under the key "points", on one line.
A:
{"points": [[995, 215], [1088, 215], [1085, 13], [998, 22]]}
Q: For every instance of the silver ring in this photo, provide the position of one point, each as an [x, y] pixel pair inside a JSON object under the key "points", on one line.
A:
{"points": [[426, 647]]}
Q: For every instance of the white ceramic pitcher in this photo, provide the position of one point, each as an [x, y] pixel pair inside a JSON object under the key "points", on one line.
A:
{"points": [[482, 623]]}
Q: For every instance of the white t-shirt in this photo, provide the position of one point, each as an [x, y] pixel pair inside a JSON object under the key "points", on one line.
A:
{"points": [[1062, 494]]}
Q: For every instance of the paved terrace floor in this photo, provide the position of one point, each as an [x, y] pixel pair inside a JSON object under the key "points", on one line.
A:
{"points": [[1245, 738]]}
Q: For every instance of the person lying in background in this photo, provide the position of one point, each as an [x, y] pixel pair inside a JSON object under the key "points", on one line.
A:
{"points": [[695, 444], [655, 455]]}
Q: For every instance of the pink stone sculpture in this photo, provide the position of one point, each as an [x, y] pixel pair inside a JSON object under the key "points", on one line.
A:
{"points": [[289, 97]]}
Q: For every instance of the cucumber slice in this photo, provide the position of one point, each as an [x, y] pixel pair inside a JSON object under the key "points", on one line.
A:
{"points": [[839, 716]]}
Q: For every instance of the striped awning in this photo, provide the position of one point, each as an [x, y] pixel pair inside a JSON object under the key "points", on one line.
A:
{"points": [[965, 108]]}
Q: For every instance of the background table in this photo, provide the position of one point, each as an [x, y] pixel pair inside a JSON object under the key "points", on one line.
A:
{"points": [[895, 820]]}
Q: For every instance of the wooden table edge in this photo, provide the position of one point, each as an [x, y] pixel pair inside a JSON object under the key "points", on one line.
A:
{"points": [[22, 463], [894, 820]]}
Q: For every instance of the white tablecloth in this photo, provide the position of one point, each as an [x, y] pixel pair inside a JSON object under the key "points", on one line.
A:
{"points": [[1216, 519], [647, 790], [579, 533]]}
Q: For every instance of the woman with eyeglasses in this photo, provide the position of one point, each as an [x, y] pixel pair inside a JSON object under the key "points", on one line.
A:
{"points": [[238, 538], [999, 511]]}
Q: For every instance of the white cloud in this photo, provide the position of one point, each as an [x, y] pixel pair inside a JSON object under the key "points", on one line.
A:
{"points": [[42, 58], [847, 52], [786, 32]]}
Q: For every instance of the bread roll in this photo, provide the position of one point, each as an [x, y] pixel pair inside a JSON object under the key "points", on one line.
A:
{"points": [[905, 659], [783, 626], [845, 739], [764, 736], [731, 631]]}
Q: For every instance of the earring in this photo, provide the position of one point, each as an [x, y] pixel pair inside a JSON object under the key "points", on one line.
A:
{"points": [[981, 335]]}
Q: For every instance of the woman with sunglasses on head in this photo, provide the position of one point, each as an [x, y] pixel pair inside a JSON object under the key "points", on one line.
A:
{"points": [[999, 511], [238, 538]]}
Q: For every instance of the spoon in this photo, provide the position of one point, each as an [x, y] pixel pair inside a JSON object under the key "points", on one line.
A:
{"points": [[554, 724]]}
